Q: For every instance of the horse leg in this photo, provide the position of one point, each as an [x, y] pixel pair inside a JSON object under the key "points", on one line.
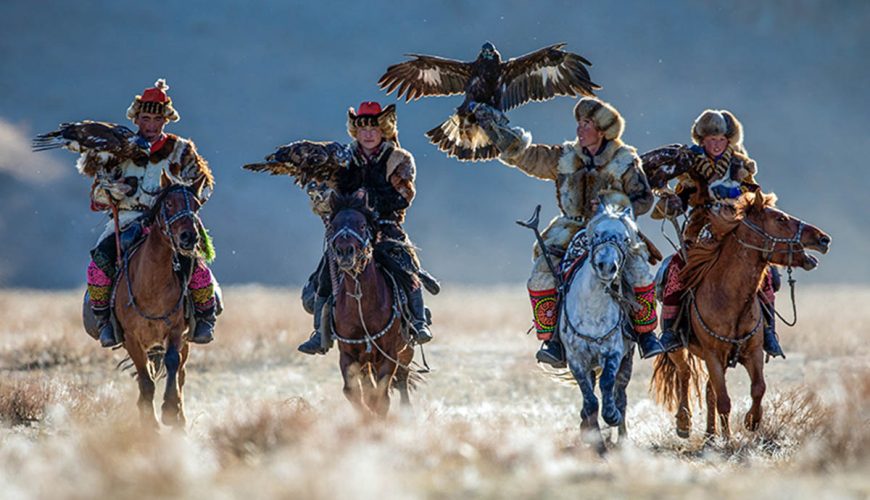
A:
{"points": [[381, 394], [755, 367], [182, 372], [171, 397], [716, 370], [710, 394], [591, 433], [350, 373], [623, 377], [609, 411], [146, 383], [684, 410]]}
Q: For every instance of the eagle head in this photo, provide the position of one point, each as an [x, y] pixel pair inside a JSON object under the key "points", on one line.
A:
{"points": [[488, 52]]}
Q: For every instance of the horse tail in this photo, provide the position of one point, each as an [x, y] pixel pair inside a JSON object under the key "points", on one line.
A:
{"points": [[155, 363], [665, 382], [155, 358]]}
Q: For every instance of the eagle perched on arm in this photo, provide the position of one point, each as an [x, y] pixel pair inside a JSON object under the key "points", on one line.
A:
{"points": [[102, 145], [537, 76]]}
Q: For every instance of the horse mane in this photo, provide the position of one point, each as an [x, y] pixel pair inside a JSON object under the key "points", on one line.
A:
{"points": [[352, 202], [617, 211], [704, 254]]}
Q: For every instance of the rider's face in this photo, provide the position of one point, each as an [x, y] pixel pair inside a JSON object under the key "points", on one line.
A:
{"points": [[714, 145], [369, 138], [150, 125], [588, 134]]}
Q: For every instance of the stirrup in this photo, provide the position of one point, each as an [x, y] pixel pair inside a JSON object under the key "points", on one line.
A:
{"points": [[547, 355], [314, 345]]}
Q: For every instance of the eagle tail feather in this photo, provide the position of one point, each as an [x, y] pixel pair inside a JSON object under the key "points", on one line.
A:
{"points": [[462, 139]]}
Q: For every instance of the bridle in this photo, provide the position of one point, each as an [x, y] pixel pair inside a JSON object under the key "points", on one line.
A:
{"points": [[185, 213], [365, 239], [767, 252]]}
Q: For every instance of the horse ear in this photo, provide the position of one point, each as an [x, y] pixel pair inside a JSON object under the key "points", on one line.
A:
{"points": [[199, 185], [361, 195], [759, 201], [165, 181]]}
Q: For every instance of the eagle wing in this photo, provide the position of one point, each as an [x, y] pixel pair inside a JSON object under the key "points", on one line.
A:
{"points": [[426, 76], [544, 74], [102, 145], [305, 161]]}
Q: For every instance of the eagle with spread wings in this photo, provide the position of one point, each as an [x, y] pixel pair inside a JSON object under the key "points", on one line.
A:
{"points": [[537, 76], [102, 145], [305, 161]]}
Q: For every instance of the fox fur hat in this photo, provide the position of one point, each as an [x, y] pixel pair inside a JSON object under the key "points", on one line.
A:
{"points": [[605, 117], [718, 122], [154, 100]]}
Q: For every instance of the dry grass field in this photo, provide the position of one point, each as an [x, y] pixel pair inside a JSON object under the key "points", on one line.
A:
{"points": [[266, 421]]}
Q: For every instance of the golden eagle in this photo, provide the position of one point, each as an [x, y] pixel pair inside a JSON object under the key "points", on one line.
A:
{"points": [[102, 145], [537, 76], [305, 161]]}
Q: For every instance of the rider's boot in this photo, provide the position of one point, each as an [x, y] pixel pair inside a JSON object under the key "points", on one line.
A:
{"points": [[105, 327], [203, 332], [669, 339], [644, 320], [420, 325], [319, 342], [771, 342], [544, 317]]}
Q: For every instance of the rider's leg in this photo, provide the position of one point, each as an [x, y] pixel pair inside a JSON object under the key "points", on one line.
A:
{"points": [[673, 291], [101, 272], [418, 310], [201, 286], [309, 291], [767, 296], [643, 319], [542, 294], [320, 341]]}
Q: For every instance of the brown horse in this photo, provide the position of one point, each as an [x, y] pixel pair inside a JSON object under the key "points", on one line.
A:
{"points": [[368, 321], [724, 275], [149, 296]]}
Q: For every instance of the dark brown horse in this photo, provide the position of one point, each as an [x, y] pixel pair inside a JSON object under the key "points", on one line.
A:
{"points": [[368, 321], [149, 297], [724, 275]]}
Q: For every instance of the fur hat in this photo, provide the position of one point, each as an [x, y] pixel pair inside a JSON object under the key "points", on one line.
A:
{"points": [[371, 115], [154, 100], [605, 117], [717, 122]]}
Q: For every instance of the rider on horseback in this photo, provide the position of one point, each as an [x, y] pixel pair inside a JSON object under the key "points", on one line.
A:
{"points": [[713, 171], [131, 189], [582, 169], [376, 163]]}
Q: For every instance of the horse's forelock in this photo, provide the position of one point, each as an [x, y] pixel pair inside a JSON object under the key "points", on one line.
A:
{"points": [[620, 213]]}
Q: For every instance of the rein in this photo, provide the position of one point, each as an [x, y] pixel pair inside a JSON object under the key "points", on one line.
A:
{"points": [[794, 241]]}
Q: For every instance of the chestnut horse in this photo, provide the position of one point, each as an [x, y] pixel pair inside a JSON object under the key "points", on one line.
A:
{"points": [[367, 318], [724, 275], [149, 296]]}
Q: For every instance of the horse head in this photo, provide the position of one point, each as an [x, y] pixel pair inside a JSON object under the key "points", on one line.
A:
{"points": [[175, 212], [782, 238], [611, 235], [350, 232]]}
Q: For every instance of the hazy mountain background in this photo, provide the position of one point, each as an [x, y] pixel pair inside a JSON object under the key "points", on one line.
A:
{"points": [[247, 76]]}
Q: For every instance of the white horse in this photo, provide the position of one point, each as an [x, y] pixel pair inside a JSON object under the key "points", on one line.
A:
{"points": [[594, 326]]}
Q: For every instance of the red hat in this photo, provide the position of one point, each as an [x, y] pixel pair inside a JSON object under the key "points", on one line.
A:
{"points": [[154, 100], [372, 115]]}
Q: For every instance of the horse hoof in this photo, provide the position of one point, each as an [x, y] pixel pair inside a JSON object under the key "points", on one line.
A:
{"points": [[613, 418], [683, 433], [750, 423]]}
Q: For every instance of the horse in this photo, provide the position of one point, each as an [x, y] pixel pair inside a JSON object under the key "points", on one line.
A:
{"points": [[724, 274], [149, 299], [367, 319], [593, 324]]}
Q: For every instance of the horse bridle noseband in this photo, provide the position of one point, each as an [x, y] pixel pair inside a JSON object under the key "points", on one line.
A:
{"points": [[794, 242], [185, 213], [365, 240]]}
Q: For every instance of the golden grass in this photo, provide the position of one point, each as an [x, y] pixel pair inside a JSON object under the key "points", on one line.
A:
{"points": [[266, 422]]}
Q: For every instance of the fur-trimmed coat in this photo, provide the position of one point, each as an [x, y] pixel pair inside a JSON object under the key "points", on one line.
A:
{"points": [[580, 177], [177, 157]]}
